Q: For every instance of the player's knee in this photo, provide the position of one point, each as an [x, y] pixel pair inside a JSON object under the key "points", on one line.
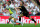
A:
{"points": [[10, 17], [30, 17], [14, 19]]}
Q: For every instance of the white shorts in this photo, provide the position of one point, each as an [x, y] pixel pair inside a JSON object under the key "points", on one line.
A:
{"points": [[15, 15]]}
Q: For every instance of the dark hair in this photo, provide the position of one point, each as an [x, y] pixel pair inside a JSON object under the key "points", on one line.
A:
{"points": [[9, 2], [22, 2]]}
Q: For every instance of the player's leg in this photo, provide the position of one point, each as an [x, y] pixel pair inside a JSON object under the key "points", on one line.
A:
{"points": [[14, 15], [20, 19], [13, 20], [10, 17], [33, 20], [27, 15]]}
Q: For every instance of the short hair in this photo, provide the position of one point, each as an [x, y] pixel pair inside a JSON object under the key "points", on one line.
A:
{"points": [[9, 2], [22, 2]]}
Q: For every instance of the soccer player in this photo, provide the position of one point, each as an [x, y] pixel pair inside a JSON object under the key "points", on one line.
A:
{"points": [[24, 12], [12, 11]]}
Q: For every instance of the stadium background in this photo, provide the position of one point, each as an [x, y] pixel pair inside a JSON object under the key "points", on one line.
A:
{"points": [[33, 6]]}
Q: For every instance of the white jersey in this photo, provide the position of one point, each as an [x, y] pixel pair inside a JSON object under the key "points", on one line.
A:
{"points": [[11, 6]]}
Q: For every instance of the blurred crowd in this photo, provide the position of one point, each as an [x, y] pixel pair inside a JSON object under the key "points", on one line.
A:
{"points": [[30, 5]]}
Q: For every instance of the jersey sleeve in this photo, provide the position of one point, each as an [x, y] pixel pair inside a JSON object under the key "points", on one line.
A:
{"points": [[11, 6]]}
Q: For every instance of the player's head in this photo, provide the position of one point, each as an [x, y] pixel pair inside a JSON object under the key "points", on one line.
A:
{"points": [[9, 2], [21, 3]]}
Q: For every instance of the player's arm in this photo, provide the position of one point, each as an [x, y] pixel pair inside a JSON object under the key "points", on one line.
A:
{"points": [[15, 9], [18, 7]]}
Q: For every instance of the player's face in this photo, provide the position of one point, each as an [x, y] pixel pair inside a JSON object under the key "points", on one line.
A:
{"points": [[8, 3], [20, 3]]}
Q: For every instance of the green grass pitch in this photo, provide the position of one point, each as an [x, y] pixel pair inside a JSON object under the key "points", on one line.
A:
{"points": [[24, 25]]}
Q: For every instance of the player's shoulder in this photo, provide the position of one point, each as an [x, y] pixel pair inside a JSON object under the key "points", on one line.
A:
{"points": [[11, 6]]}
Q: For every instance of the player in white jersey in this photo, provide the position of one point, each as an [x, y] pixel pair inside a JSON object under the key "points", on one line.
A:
{"points": [[13, 12]]}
